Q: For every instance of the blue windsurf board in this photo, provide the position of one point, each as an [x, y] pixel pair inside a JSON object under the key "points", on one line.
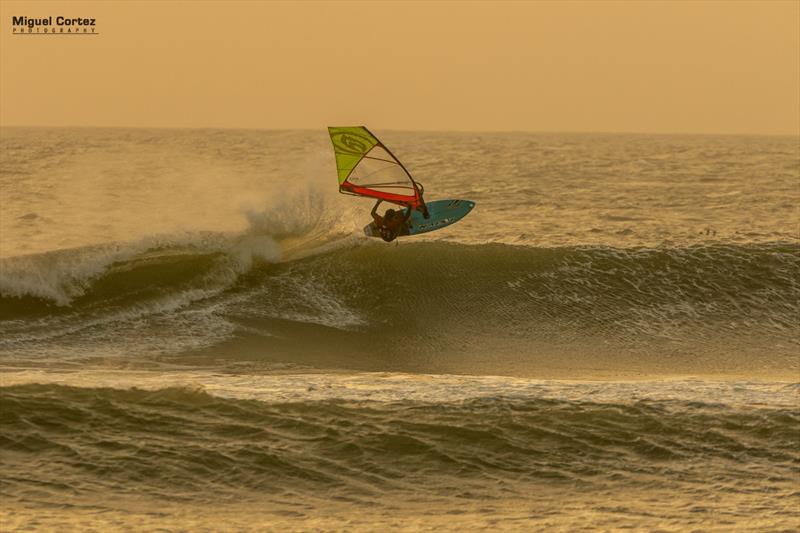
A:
{"points": [[442, 214]]}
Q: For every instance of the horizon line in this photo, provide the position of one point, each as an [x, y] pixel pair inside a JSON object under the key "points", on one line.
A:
{"points": [[543, 131]]}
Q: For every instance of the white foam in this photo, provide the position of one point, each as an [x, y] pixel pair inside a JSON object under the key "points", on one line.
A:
{"points": [[297, 223]]}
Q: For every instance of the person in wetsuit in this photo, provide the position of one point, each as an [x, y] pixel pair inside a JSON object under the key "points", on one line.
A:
{"points": [[392, 223]]}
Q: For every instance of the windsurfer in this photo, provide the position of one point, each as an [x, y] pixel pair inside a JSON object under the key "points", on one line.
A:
{"points": [[392, 223]]}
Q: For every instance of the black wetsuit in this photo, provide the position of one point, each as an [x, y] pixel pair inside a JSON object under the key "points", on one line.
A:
{"points": [[390, 227]]}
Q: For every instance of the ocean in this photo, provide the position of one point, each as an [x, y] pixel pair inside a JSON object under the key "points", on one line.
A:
{"points": [[196, 335]]}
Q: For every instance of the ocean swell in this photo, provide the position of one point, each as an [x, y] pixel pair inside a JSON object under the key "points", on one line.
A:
{"points": [[187, 443]]}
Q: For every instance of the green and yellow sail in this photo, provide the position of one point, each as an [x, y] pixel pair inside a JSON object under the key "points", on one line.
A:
{"points": [[365, 167]]}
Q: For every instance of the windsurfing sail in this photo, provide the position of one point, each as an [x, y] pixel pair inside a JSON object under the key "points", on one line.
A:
{"points": [[367, 168]]}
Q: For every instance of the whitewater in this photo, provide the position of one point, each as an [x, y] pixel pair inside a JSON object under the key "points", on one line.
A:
{"points": [[195, 334]]}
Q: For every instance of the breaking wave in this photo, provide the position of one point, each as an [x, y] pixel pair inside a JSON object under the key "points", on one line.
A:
{"points": [[434, 297]]}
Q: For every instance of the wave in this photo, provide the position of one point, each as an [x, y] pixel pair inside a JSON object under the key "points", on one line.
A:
{"points": [[182, 441], [436, 298], [756, 280]]}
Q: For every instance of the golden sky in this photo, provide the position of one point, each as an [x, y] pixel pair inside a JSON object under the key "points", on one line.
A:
{"points": [[675, 66]]}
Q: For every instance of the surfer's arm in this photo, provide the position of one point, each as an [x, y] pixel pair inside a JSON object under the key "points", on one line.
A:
{"points": [[375, 216], [408, 213]]}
